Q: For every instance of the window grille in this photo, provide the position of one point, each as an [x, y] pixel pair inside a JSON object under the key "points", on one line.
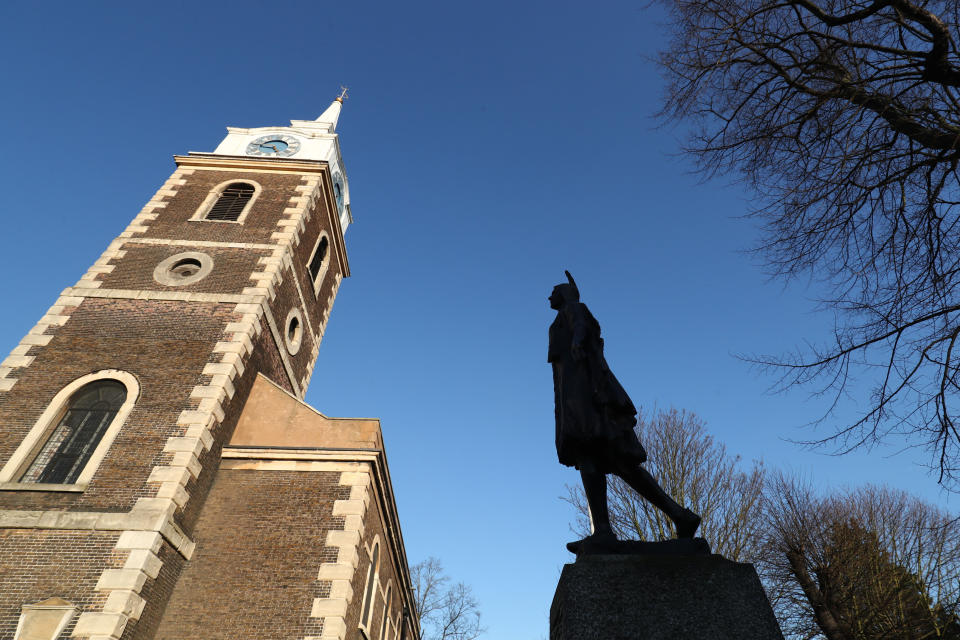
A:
{"points": [[89, 412], [231, 202], [316, 262]]}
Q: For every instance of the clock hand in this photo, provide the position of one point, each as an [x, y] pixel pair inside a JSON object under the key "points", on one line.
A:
{"points": [[274, 147]]}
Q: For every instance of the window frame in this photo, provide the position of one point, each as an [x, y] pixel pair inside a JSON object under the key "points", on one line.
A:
{"points": [[201, 213], [324, 266], [293, 345], [370, 588], [387, 601], [162, 275], [43, 428]]}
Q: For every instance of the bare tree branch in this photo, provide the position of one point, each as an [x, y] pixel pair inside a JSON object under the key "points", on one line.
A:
{"points": [[864, 564], [445, 612], [844, 117]]}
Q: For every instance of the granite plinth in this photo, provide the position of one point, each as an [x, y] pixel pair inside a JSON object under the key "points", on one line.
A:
{"points": [[640, 597]]}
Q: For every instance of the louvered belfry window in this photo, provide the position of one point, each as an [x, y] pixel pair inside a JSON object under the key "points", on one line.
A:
{"points": [[89, 412], [231, 202]]}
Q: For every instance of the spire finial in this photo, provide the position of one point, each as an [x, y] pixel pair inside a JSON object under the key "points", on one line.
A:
{"points": [[332, 113]]}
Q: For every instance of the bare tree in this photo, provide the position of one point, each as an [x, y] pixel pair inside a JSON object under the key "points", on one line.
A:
{"points": [[867, 564], [695, 470], [445, 611], [843, 116]]}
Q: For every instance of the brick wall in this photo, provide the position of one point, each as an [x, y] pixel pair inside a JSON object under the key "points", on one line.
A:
{"points": [[156, 592], [36, 565], [165, 344], [231, 270], [260, 541], [175, 222]]}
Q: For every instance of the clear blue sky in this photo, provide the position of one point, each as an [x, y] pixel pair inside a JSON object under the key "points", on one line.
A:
{"points": [[488, 148]]}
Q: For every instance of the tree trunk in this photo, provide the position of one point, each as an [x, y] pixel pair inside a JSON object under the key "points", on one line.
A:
{"points": [[832, 628]]}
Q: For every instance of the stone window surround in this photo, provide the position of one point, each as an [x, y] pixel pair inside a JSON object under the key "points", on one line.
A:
{"points": [[42, 429], [293, 345], [323, 267], [217, 191], [364, 625], [162, 272]]}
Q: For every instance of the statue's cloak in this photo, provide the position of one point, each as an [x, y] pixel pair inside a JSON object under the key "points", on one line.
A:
{"points": [[595, 416]]}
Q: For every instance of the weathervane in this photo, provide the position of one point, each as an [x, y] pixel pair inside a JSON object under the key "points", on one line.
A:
{"points": [[343, 93]]}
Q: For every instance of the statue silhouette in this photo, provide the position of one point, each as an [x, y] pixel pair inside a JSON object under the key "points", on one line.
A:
{"points": [[596, 420]]}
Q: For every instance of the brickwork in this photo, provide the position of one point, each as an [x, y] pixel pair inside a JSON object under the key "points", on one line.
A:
{"points": [[155, 593], [232, 268], [164, 344], [288, 296], [260, 543], [41, 334], [319, 302], [259, 225], [337, 595], [264, 360], [36, 565]]}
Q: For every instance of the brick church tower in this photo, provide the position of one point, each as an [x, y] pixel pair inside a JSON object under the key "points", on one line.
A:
{"points": [[160, 475]]}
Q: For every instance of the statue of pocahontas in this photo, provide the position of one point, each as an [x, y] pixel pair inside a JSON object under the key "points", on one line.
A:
{"points": [[596, 420]]}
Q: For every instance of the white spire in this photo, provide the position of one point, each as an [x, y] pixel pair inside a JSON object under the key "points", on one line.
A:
{"points": [[332, 114]]}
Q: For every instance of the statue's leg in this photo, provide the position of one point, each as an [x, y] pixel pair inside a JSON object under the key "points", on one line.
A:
{"points": [[686, 521], [595, 486]]}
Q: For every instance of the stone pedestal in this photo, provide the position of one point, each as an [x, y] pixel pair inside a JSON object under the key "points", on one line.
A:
{"points": [[640, 597]]}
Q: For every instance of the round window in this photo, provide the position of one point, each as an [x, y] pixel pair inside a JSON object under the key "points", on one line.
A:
{"points": [[294, 333], [183, 268]]}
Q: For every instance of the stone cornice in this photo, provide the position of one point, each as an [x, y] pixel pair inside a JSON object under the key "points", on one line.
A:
{"points": [[216, 161]]}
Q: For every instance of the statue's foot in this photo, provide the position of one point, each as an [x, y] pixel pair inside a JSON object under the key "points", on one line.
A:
{"points": [[687, 523], [592, 541]]}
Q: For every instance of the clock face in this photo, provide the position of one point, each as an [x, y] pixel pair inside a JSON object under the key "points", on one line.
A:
{"points": [[273, 145], [338, 189]]}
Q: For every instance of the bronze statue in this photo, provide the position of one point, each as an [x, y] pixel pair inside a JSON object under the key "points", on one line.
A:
{"points": [[596, 420]]}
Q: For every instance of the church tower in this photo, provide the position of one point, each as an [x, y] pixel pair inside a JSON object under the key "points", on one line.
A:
{"points": [[160, 475]]}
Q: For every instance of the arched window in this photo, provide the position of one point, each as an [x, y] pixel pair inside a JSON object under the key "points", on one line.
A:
{"points": [[316, 262], [386, 613], [371, 590], [89, 412], [231, 202]]}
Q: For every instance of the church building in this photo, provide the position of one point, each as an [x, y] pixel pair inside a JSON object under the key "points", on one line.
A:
{"points": [[161, 477]]}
